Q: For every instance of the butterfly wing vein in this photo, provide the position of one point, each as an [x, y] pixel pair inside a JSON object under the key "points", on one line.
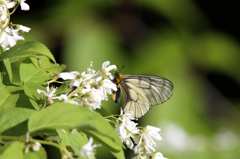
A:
{"points": [[141, 92]]}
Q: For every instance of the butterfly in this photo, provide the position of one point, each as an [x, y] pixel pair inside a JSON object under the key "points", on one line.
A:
{"points": [[141, 92]]}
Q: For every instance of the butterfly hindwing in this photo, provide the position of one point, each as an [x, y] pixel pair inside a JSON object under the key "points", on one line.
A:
{"points": [[141, 92]]}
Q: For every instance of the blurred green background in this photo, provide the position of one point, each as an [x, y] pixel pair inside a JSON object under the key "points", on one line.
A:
{"points": [[195, 44]]}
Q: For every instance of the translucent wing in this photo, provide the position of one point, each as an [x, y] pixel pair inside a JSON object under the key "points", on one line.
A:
{"points": [[141, 92]]}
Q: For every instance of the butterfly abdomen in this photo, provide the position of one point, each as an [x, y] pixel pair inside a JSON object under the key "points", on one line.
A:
{"points": [[116, 94]]}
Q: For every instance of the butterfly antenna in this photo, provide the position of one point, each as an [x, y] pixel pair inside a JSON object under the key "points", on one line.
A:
{"points": [[121, 68]]}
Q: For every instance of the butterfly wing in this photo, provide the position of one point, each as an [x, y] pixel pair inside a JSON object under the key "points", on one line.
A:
{"points": [[141, 92]]}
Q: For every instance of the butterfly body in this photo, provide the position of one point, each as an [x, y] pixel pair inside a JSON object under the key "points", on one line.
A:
{"points": [[141, 92]]}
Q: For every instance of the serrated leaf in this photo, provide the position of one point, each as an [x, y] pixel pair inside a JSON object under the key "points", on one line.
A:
{"points": [[7, 100], [15, 150], [13, 116], [27, 49]]}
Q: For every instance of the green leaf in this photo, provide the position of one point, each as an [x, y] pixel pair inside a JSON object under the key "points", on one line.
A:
{"points": [[8, 69], [4, 76], [24, 102], [41, 154], [62, 89], [13, 116], [38, 71], [7, 100], [45, 63], [49, 67], [103, 112], [73, 139], [15, 150], [64, 115], [115, 149], [17, 130], [62, 67], [31, 91], [15, 88], [30, 73], [27, 49]]}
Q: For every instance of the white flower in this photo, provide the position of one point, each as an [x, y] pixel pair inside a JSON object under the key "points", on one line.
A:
{"points": [[126, 129], [158, 155], [24, 6], [149, 135], [93, 99], [107, 68], [87, 88], [140, 156], [88, 149], [4, 15], [10, 4], [121, 131], [66, 100], [107, 87], [74, 76], [9, 36], [36, 146], [130, 138], [89, 70], [138, 149], [49, 94], [95, 96], [126, 124], [24, 28]]}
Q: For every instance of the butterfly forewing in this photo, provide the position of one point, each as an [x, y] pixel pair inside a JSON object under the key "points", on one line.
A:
{"points": [[140, 92]]}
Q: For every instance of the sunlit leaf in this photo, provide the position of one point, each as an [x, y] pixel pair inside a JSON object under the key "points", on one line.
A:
{"points": [[15, 150], [26, 49], [64, 115], [13, 116], [7, 100]]}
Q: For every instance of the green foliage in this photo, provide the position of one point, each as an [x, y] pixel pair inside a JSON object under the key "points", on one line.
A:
{"points": [[22, 108]]}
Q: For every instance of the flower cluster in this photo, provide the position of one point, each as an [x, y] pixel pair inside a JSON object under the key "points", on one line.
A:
{"points": [[87, 89], [141, 141], [10, 33]]}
